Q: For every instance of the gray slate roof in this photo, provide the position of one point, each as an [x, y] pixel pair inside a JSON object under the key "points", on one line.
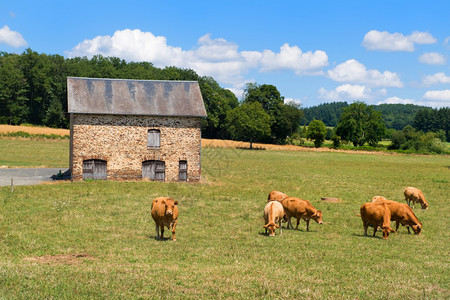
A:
{"points": [[134, 97]]}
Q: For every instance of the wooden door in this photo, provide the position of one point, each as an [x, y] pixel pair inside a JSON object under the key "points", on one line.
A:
{"points": [[94, 169], [154, 170]]}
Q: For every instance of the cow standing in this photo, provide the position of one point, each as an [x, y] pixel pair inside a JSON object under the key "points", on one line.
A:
{"points": [[300, 209], [165, 213], [376, 214], [401, 214], [273, 214], [414, 195]]}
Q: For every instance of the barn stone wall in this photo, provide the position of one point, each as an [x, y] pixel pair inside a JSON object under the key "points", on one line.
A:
{"points": [[122, 142]]}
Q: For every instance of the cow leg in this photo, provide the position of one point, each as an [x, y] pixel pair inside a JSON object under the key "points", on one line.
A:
{"points": [[307, 225], [174, 225], [279, 223], [162, 232], [409, 232], [298, 222], [365, 228], [397, 225], [289, 225], [375, 227], [157, 231]]}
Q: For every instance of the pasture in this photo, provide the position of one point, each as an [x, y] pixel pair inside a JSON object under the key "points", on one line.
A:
{"points": [[95, 239]]}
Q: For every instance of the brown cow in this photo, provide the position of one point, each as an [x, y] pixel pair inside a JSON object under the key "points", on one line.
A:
{"points": [[276, 196], [273, 213], [376, 214], [401, 214], [165, 213], [300, 209], [413, 195]]}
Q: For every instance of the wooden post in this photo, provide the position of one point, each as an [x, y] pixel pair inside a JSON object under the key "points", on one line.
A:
{"points": [[12, 185]]}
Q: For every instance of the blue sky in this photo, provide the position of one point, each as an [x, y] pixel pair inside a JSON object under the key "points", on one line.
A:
{"points": [[312, 51]]}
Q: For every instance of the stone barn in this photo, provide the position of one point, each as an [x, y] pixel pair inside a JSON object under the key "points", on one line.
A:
{"points": [[135, 129]]}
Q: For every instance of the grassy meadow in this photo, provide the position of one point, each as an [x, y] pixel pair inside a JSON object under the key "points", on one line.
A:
{"points": [[95, 239]]}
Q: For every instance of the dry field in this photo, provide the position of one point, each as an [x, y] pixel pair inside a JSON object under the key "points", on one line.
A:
{"points": [[34, 130]]}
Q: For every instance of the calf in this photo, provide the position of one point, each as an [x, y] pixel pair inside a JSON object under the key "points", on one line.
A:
{"points": [[165, 213], [401, 214], [273, 214], [276, 196], [376, 214], [414, 195], [300, 209]]}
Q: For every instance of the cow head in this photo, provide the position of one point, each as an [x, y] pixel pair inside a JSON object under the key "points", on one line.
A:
{"points": [[417, 228], [317, 216], [271, 226], [424, 205], [386, 231], [169, 204]]}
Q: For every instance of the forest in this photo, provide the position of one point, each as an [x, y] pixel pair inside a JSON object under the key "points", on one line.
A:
{"points": [[33, 91]]}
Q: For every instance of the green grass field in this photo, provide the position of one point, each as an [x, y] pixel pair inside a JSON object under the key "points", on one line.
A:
{"points": [[96, 239]]}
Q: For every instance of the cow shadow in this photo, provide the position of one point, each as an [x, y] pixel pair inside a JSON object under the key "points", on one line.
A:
{"points": [[366, 236], [164, 239]]}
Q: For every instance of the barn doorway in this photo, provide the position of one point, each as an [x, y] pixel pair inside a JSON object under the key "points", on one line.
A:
{"points": [[94, 169], [154, 170]]}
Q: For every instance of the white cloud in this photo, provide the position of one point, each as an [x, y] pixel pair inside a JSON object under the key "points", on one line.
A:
{"points": [[293, 101], [436, 79], [437, 98], [11, 38], [396, 100], [447, 42], [212, 57], [292, 58], [443, 95], [346, 92], [385, 41], [353, 71], [432, 58]]}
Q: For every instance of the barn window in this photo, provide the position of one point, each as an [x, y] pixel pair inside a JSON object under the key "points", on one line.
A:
{"points": [[94, 169], [153, 140], [182, 170], [154, 170]]}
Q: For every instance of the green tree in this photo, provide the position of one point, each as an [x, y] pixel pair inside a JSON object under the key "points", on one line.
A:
{"points": [[248, 122], [14, 107], [359, 124], [285, 117], [317, 132]]}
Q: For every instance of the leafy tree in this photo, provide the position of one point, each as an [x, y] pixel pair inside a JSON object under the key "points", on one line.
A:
{"points": [[317, 132], [285, 118], [248, 122], [359, 124], [13, 91]]}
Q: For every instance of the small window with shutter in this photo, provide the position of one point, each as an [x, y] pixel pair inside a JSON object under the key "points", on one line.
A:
{"points": [[182, 171], [153, 140]]}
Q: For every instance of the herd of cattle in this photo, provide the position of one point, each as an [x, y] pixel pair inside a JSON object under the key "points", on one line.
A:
{"points": [[280, 207]]}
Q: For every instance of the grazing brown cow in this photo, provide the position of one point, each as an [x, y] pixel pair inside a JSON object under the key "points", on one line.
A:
{"points": [[276, 196], [273, 213], [300, 209], [165, 213], [401, 214], [376, 214], [414, 195]]}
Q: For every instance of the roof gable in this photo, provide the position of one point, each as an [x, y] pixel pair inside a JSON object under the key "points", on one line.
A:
{"points": [[134, 97]]}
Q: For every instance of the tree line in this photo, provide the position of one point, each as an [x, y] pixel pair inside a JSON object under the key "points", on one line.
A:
{"points": [[33, 90]]}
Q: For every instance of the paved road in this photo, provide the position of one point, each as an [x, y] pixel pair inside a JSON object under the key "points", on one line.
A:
{"points": [[27, 176]]}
